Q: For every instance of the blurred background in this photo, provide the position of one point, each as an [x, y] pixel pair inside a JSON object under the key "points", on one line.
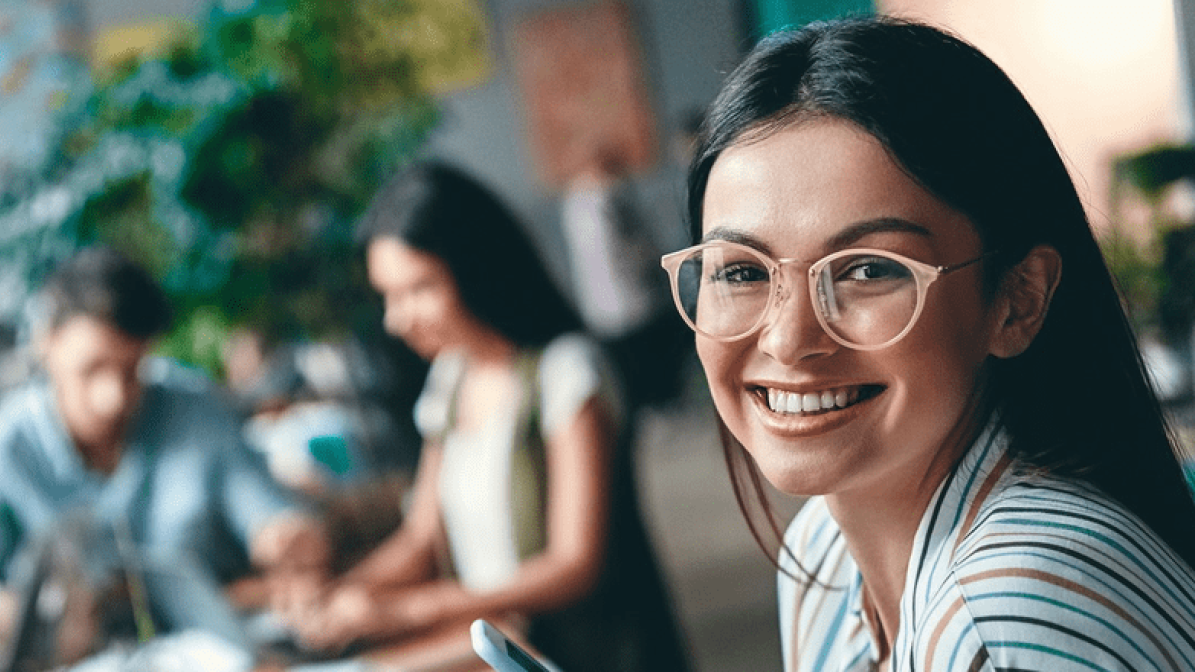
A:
{"points": [[230, 145]]}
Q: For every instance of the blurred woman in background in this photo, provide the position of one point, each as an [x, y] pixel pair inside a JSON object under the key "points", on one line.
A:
{"points": [[523, 508]]}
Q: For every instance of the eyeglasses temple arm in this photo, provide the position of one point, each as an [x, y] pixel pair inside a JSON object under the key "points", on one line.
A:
{"points": [[943, 270]]}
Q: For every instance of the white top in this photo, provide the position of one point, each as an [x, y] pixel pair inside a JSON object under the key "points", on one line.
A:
{"points": [[475, 473]]}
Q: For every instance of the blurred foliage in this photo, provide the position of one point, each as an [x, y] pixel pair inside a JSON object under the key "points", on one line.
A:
{"points": [[1155, 169], [233, 162], [1138, 275], [1156, 276]]}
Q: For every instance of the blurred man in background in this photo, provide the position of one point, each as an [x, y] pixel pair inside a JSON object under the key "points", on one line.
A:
{"points": [[141, 450]]}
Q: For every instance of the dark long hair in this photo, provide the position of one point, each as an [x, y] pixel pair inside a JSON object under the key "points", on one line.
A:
{"points": [[440, 210], [1077, 402]]}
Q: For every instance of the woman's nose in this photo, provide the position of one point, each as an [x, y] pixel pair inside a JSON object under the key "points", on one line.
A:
{"points": [[791, 331]]}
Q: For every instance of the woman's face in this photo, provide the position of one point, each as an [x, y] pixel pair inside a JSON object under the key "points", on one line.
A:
{"points": [[423, 306], [804, 192]]}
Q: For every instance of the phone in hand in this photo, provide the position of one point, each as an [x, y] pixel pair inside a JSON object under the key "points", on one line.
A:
{"points": [[502, 654]]}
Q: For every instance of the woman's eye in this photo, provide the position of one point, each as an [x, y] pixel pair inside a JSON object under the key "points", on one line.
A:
{"points": [[872, 269], [738, 274]]}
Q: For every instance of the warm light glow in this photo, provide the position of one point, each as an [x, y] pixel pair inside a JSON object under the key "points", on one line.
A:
{"points": [[1117, 36], [115, 44], [1103, 74]]}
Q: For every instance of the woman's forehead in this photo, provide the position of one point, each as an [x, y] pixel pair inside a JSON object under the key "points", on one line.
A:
{"points": [[393, 261], [827, 182]]}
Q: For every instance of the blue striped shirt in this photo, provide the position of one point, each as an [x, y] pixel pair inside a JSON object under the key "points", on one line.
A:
{"points": [[1009, 571]]}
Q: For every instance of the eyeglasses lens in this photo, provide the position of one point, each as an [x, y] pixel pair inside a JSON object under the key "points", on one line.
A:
{"points": [[724, 291], [866, 299], [863, 299]]}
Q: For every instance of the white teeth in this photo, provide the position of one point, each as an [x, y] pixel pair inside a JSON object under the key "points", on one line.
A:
{"points": [[792, 403], [811, 402]]}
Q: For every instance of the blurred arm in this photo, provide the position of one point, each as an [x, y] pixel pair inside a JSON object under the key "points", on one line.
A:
{"points": [[579, 476], [408, 555]]}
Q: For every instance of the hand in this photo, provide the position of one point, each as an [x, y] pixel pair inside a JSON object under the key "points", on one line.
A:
{"points": [[292, 541], [349, 613], [428, 604], [294, 554], [295, 596], [358, 611]]}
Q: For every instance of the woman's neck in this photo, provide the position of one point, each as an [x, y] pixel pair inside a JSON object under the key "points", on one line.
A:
{"points": [[879, 523], [489, 379], [486, 348], [879, 529]]}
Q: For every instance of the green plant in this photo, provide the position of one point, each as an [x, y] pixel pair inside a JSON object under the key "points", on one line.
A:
{"points": [[234, 163], [1154, 272], [1138, 276]]}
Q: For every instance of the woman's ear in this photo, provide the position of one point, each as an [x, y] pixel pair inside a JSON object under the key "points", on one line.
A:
{"points": [[1024, 300]]}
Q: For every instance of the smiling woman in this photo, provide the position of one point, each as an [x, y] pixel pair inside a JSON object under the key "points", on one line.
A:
{"points": [[796, 193], [902, 312]]}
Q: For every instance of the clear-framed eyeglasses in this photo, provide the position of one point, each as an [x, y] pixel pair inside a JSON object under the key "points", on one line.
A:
{"points": [[865, 299]]}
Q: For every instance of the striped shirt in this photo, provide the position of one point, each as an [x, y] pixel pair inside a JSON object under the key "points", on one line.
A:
{"points": [[1009, 571]]}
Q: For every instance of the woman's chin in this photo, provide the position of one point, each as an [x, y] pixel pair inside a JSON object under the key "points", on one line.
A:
{"points": [[796, 474]]}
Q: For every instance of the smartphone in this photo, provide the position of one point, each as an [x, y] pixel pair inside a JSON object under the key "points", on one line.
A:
{"points": [[501, 653]]}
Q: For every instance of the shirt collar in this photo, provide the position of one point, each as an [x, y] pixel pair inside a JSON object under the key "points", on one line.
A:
{"points": [[951, 513]]}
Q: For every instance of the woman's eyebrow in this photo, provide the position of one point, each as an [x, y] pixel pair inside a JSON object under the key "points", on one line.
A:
{"points": [[857, 231], [735, 236], [847, 237]]}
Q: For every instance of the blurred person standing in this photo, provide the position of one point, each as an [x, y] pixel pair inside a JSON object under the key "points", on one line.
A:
{"points": [[523, 507], [617, 285], [139, 448]]}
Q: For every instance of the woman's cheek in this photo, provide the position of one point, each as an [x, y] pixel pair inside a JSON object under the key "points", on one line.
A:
{"points": [[723, 371]]}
